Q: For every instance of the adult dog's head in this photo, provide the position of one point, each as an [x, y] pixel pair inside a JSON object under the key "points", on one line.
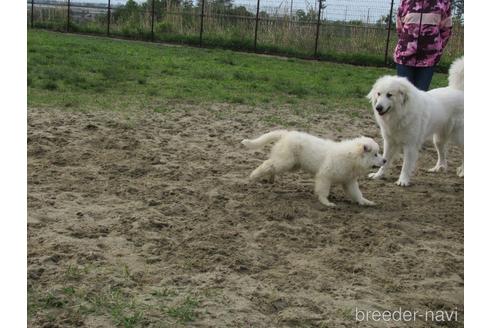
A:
{"points": [[389, 93]]}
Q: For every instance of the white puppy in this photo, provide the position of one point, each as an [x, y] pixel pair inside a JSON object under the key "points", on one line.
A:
{"points": [[408, 116], [331, 162]]}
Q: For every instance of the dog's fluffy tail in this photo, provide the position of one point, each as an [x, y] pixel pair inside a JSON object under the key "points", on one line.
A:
{"points": [[263, 140], [457, 74]]}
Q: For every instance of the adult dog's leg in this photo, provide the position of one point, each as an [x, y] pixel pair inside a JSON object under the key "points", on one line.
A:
{"points": [[322, 190], [460, 171], [410, 156], [440, 144], [461, 142], [388, 154], [352, 190]]}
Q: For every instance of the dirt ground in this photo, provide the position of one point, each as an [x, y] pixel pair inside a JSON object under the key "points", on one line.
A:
{"points": [[147, 219]]}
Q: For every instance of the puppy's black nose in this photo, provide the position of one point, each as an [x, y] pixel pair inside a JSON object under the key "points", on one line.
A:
{"points": [[384, 161], [379, 108]]}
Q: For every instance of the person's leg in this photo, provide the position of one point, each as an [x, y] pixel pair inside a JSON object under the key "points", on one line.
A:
{"points": [[423, 77], [406, 71]]}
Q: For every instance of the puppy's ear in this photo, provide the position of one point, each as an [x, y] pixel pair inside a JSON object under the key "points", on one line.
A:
{"points": [[364, 148]]}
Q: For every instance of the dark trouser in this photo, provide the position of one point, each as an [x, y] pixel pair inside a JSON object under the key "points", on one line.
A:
{"points": [[420, 77]]}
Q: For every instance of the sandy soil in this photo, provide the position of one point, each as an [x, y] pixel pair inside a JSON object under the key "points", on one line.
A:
{"points": [[157, 207]]}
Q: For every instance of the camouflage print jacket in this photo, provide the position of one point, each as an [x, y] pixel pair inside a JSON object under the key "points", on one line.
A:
{"points": [[424, 28]]}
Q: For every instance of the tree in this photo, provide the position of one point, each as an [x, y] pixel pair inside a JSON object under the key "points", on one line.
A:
{"points": [[221, 6], [161, 6], [357, 22], [240, 11], [128, 12], [187, 4], [384, 20], [302, 16]]}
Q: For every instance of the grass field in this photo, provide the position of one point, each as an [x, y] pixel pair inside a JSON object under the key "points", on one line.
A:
{"points": [[84, 73], [140, 213]]}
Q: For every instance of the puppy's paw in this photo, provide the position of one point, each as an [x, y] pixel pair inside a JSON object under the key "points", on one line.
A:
{"points": [[326, 202], [402, 182], [375, 175], [366, 202], [438, 168], [460, 171]]}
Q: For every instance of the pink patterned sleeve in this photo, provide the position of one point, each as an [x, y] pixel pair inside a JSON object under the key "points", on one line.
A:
{"points": [[446, 25], [399, 24]]}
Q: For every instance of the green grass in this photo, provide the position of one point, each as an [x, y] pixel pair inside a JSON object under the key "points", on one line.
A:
{"points": [[85, 73], [185, 311], [338, 43], [74, 272], [123, 309], [77, 293]]}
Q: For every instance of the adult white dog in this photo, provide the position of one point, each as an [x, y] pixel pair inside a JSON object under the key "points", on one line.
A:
{"points": [[408, 116], [331, 162]]}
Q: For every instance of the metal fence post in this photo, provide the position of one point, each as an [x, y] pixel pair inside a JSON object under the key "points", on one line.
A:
{"points": [[317, 30], [32, 13], [201, 22], [152, 21], [390, 22], [109, 17], [68, 16], [256, 23]]}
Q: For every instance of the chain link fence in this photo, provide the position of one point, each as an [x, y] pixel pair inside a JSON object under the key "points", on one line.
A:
{"points": [[358, 32]]}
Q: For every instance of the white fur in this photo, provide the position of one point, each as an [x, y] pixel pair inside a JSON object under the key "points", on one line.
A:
{"points": [[408, 116], [457, 74], [331, 162]]}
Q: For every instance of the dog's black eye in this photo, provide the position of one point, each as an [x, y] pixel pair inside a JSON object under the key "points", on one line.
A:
{"points": [[375, 155], [389, 95], [379, 93]]}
